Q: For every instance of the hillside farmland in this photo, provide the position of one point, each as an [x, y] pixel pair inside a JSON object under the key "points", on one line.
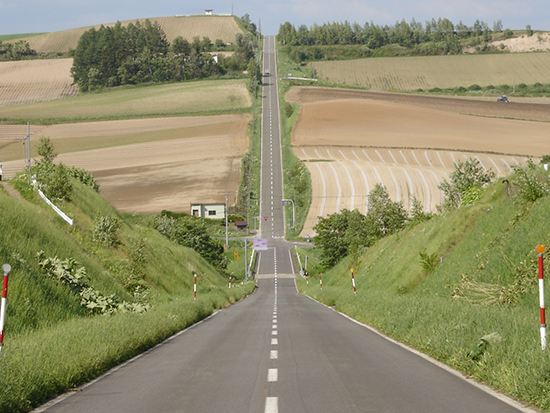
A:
{"points": [[152, 100], [350, 145], [426, 72], [214, 27], [35, 80], [146, 165]]}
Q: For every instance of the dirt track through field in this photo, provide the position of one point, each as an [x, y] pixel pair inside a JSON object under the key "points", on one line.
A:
{"points": [[350, 145]]}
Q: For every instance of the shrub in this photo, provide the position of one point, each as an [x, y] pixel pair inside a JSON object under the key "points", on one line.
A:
{"points": [[84, 177], [467, 174], [427, 261], [57, 184], [532, 184], [106, 230]]}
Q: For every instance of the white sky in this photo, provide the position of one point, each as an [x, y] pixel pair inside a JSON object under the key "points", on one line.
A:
{"points": [[31, 16]]}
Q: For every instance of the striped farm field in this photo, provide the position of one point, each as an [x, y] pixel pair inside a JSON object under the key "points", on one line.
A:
{"points": [[214, 27], [350, 145], [151, 100], [35, 80], [426, 72], [343, 177], [145, 165]]}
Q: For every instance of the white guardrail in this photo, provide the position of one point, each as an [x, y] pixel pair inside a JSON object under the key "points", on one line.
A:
{"points": [[56, 209]]}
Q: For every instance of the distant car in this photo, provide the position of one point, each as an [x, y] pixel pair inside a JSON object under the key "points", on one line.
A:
{"points": [[503, 98], [266, 72]]}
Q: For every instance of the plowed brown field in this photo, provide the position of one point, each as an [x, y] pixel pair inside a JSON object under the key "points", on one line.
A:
{"points": [[147, 165], [350, 144], [35, 81]]}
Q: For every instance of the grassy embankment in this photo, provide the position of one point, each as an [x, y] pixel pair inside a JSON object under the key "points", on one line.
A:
{"points": [[205, 97], [52, 343], [481, 253]]}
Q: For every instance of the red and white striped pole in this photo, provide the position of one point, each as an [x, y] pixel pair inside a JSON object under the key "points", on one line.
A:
{"points": [[6, 268], [195, 288], [353, 282], [540, 250], [320, 281]]}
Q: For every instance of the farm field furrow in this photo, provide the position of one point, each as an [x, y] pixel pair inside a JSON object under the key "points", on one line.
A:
{"points": [[342, 177], [426, 72], [350, 145], [151, 100], [35, 81], [147, 165]]}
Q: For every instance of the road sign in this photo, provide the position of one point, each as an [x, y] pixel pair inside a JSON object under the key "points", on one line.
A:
{"points": [[236, 253], [259, 245]]}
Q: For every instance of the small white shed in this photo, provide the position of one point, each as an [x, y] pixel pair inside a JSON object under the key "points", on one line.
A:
{"points": [[212, 211]]}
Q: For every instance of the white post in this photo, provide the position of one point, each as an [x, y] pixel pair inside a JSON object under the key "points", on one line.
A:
{"points": [[226, 221], [6, 268], [540, 250]]}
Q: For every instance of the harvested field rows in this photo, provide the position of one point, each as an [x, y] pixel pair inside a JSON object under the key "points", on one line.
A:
{"points": [[151, 100], [214, 27], [351, 143], [35, 81], [343, 177], [426, 72], [147, 165]]}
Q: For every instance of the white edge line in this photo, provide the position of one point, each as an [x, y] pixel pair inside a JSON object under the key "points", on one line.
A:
{"points": [[502, 397], [66, 395]]}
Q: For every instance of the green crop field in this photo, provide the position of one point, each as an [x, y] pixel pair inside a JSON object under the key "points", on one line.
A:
{"points": [[191, 98], [426, 72], [214, 27]]}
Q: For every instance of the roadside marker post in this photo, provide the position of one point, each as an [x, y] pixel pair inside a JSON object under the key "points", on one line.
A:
{"points": [[353, 282], [195, 288], [320, 281], [229, 282], [6, 268], [540, 250]]}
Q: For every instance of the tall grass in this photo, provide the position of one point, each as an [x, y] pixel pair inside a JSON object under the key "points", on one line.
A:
{"points": [[491, 243]]}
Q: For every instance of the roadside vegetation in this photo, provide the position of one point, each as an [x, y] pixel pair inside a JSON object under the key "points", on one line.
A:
{"points": [[86, 297], [460, 286]]}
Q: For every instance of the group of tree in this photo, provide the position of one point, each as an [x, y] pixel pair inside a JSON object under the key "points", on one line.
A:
{"points": [[441, 32], [16, 51], [186, 230], [350, 232], [139, 53]]}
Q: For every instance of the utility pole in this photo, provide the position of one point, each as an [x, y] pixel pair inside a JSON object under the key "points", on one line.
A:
{"points": [[27, 143], [226, 222]]}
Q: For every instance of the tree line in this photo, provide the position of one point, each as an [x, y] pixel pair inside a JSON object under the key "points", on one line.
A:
{"points": [[139, 53], [16, 51], [404, 34]]}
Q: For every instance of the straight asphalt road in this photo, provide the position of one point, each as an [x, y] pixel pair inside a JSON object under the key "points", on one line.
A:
{"points": [[277, 350]]}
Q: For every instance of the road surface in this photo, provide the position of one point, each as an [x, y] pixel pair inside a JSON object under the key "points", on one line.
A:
{"points": [[277, 350]]}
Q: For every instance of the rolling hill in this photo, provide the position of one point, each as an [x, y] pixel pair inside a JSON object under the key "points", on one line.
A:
{"points": [[214, 27]]}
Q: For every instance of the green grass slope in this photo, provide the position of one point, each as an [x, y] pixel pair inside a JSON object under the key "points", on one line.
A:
{"points": [[477, 311], [51, 342]]}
